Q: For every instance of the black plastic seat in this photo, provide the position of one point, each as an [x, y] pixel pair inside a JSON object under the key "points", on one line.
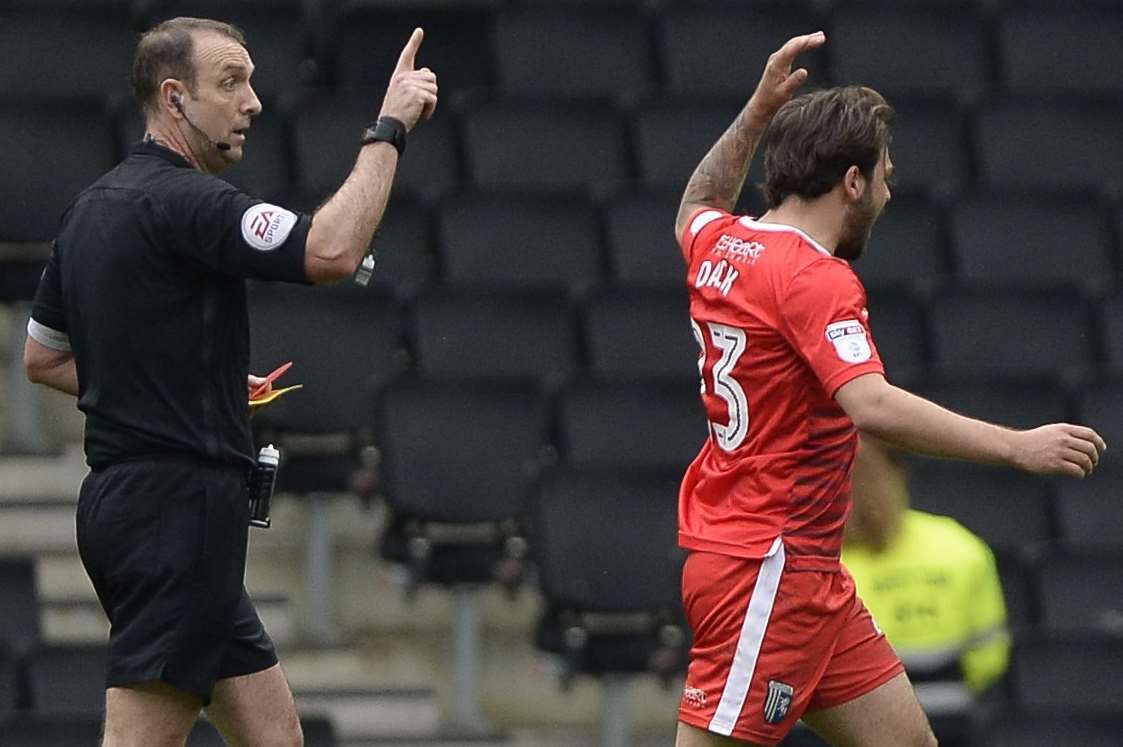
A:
{"points": [[1070, 676], [30, 729], [81, 148], [544, 143], [1017, 593], [919, 50], [1082, 593], [1034, 63], [1088, 511], [671, 135], [606, 50], [907, 246], [1015, 401], [640, 333], [9, 682], [364, 40], [520, 241], [1008, 510], [610, 570], [19, 600], [1101, 407], [326, 128], [1032, 239], [600, 423], [1111, 324], [91, 49], [929, 148], [641, 243], [897, 323], [1084, 152], [695, 39], [1012, 331], [491, 334], [1030, 728], [68, 678]]}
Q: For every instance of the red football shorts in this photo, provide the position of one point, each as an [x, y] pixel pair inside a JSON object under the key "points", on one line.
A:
{"points": [[771, 643]]}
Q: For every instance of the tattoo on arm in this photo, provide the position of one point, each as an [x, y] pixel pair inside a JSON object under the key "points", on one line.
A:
{"points": [[720, 176]]}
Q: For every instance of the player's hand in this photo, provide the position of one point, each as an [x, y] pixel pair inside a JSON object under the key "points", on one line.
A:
{"points": [[253, 382], [412, 94], [1059, 449], [779, 82]]}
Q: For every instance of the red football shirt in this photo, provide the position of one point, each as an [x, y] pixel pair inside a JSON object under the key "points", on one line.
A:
{"points": [[782, 324]]}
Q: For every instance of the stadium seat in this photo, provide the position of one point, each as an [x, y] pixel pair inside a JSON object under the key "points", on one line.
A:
{"points": [[19, 600], [546, 144], [1013, 574], [525, 241], [908, 244], [1074, 677], [697, 40], [607, 51], [670, 137], [1034, 729], [1041, 143], [642, 249], [68, 678], [494, 335], [1015, 400], [610, 570], [53, 729], [1082, 593], [929, 147], [1008, 510], [1037, 239], [53, 150], [9, 682], [458, 458], [1033, 62], [364, 41], [918, 51], [1111, 321], [278, 37], [91, 50], [640, 333], [1088, 511], [897, 324], [633, 425], [1009, 331], [326, 131], [1101, 407]]}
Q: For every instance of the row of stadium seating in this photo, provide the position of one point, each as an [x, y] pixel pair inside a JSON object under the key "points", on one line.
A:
{"points": [[686, 47], [302, 150]]}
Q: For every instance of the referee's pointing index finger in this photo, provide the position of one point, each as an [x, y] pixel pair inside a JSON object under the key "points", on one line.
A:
{"points": [[409, 51]]}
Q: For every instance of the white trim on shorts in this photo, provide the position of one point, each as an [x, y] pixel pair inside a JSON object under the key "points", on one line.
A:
{"points": [[748, 645]]}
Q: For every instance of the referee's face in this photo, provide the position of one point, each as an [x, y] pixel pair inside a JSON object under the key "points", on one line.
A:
{"points": [[225, 101]]}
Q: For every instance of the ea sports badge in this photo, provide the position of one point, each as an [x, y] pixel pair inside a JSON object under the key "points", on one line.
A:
{"points": [[850, 341], [265, 227]]}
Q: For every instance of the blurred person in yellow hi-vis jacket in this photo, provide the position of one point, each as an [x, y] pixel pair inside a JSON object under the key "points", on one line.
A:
{"points": [[930, 584]]}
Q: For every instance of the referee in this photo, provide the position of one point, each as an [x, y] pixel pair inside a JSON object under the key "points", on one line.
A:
{"points": [[141, 314]]}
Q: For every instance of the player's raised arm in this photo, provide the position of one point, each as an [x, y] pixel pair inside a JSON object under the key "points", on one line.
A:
{"points": [[913, 423], [720, 175]]}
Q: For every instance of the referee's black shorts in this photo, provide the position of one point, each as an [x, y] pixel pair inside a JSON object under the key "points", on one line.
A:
{"points": [[164, 543]]}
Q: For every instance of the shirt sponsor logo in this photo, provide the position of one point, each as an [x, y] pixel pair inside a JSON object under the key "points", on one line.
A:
{"points": [[694, 696], [850, 341], [265, 227], [778, 701], [738, 250]]}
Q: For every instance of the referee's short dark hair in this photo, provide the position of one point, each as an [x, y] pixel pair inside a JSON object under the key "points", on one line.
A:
{"points": [[167, 50], [816, 137]]}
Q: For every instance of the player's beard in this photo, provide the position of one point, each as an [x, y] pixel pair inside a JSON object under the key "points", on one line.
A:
{"points": [[856, 228]]}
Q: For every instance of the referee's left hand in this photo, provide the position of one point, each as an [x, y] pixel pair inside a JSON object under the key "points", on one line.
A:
{"points": [[253, 382]]}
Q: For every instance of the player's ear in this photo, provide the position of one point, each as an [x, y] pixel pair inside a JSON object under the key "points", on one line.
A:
{"points": [[853, 183]]}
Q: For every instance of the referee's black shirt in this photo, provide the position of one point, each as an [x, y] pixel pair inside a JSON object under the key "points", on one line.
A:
{"points": [[146, 286]]}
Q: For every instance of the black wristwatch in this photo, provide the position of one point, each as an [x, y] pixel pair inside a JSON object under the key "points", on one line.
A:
{"points": [[387, 130]]}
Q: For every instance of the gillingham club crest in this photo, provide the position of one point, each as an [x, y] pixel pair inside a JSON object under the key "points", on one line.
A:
{"points": [[778, 702]]}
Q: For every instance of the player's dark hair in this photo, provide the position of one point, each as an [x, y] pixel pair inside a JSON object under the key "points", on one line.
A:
{"points": [[816, 137], [167, 50]]}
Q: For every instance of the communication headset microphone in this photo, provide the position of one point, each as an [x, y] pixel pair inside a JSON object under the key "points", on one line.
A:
{"points": [[178, 102]]}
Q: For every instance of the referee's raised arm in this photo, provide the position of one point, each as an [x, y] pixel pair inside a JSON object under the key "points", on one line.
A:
{"points": [[344, 226]]}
